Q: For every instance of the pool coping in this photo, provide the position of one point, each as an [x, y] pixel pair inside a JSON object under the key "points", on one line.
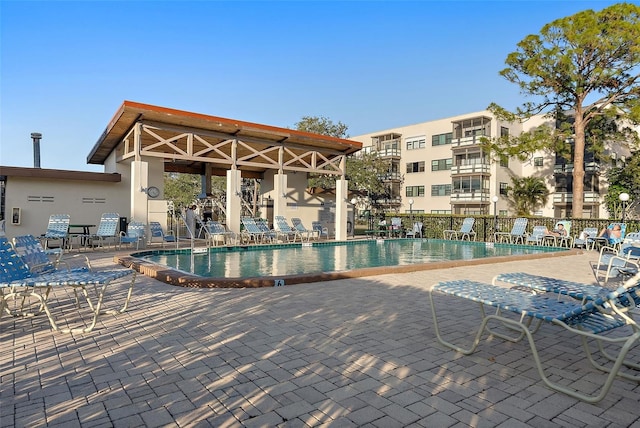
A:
{"points": [[182, 279]]}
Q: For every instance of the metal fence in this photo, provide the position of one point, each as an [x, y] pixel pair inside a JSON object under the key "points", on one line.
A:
{"points": [[433, 224]]}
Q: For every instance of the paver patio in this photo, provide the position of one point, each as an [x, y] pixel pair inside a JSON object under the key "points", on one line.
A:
{"points": [[346, 353]]}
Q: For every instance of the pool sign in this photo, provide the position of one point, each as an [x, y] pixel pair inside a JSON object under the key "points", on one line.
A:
{"points": [[279, 283]]}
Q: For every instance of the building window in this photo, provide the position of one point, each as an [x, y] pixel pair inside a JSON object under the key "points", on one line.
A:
{"points": [[441, 164], [503, 188], [415, 167], [441, 190], [504, 162], [537, 161], [416, 143], [504, 131], [441, 139], [414, 191]]}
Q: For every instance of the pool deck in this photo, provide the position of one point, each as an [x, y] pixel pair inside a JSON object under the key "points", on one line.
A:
{"points": [[356, 352]]}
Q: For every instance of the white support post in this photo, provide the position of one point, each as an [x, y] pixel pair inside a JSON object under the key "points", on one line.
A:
{"points": [[139, 198], [341, 209], [280, 190], [234, 198]]}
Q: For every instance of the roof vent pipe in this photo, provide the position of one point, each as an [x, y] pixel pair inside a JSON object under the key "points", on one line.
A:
{"points": [[36, 136]]}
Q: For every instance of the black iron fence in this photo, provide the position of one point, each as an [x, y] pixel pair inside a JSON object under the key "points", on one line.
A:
{"points": [[485, 226]]}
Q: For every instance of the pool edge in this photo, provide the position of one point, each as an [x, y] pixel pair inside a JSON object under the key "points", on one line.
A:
{"points": [[174, 277]]}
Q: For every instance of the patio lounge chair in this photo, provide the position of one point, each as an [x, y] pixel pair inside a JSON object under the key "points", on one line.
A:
{"points": [[217, 233], [320, 230], [134, 234], [18, 281], [304, 232], [586, 238], [107, 231], [466, 231], [283, 230], [57, 230], [616, 263], [40, 260], [415, 231], [395, 229], [609, 240], [518, 232], [590, 319], [155, 229], [537, 235]]}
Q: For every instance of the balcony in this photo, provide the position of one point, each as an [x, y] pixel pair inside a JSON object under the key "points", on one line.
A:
{"points": [[592, 167], [391, 176], [567, 198], [470, 196], [388, 153], [476, 168], [466, 141]]}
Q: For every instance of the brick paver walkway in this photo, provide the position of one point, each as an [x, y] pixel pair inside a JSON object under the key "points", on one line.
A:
{"points": [[347, 353]]}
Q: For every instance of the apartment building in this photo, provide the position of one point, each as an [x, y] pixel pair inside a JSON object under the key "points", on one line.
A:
{"points": [[439, 167]]}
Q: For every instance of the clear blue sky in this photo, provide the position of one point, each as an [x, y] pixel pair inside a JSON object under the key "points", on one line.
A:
{"points": [[67, 66]]}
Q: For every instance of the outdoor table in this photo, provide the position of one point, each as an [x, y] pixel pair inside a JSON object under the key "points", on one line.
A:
{"points": [[84, 236]]}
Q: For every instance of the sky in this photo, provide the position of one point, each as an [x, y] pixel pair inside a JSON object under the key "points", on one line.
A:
{"points": [[66, 67]]}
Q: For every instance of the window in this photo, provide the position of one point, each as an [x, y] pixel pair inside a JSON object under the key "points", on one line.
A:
{"points": [[504, 131], [441, 139], [503, 188], [414, 191], [441, 164], [415, 167], [441, 190], [504, 162], [537, 161], [416, 143]]}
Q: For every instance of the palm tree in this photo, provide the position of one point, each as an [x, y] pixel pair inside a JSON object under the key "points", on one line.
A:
{"points": [[527, 194]]}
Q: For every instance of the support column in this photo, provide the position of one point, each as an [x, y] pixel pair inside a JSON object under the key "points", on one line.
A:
{"points": [[234, 198], [280, 188], [139, 182], [342, 192]]}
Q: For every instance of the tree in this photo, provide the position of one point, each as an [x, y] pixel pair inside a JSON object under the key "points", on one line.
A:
{"points": [[623, 179], [585, 65], [182, 189], [527, 194], [364, 171]]}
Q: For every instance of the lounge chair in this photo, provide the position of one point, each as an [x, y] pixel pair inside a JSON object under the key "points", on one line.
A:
{"points": [[320, 230], [155, 229], [283, 230], [250, 231], [586, 238], [107, 231], [588, 319], [217, 233], [537, 235], [57, 230], [561, 234], [18, 281], [395, 229], [518, 232], [616, 263], [39, 260], [134, 234], [466, 231], [299, 226], [415, 231], [611, 241]]}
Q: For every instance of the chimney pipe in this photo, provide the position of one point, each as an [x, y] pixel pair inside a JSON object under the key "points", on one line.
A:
{"points": [[36, 136]]}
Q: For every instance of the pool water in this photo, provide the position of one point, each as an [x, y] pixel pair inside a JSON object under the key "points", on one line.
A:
{"points": [[296, 259]]}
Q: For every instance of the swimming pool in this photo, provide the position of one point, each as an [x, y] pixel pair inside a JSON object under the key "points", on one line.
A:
{"points": [[264, 265]]}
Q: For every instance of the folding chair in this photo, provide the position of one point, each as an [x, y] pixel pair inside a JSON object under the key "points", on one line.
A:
{"points": [[518, 232], [466, 230], [590, 319], [16, 280]]}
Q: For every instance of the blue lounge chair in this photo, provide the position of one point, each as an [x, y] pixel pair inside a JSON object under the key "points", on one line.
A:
{"points": [[155, 229], [16, 280], [107, 231], [299, 226], [466, 231], [57, 230], [283, 230], [134, 234], [320, 230], [616, 263], [537, 235], [518, 232], [589, 319], [217, 233], [586, 238], [609, 239]]}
